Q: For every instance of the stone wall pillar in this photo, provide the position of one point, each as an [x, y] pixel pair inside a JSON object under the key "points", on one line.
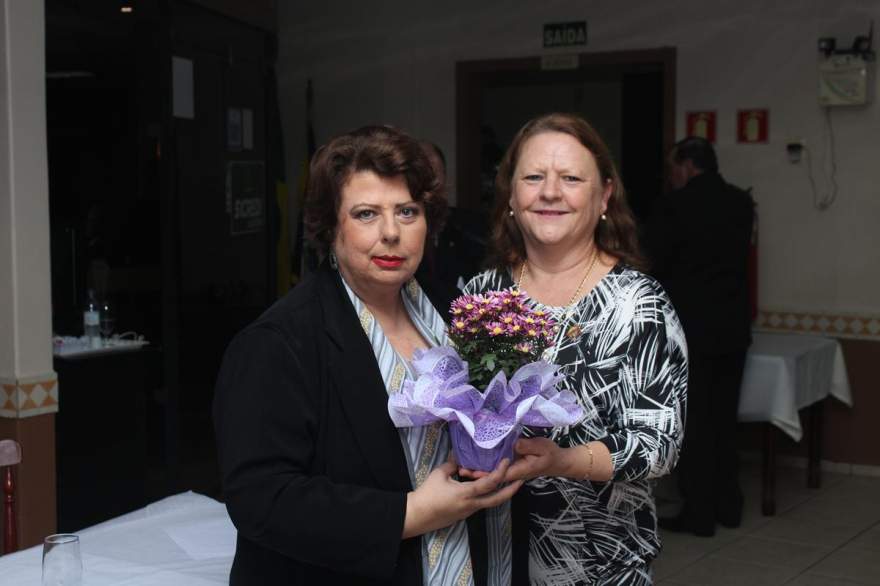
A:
{"points": [[28, 384]]}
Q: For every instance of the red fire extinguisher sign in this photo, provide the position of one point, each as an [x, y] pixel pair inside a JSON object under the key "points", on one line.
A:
{"points": [[701, 124], [751, 126]]}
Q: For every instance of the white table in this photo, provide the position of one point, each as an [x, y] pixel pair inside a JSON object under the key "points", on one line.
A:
{"points": [[73, 347], [785, 373], [183, 540]]}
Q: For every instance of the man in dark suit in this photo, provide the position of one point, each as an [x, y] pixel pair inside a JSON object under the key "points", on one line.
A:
{"points": [[698, 239]]}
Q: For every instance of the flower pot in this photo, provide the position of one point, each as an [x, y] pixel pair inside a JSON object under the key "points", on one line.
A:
{"points": [[470, 455]]}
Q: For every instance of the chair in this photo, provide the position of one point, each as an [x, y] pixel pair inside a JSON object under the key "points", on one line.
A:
{"points": [[10, 455]]}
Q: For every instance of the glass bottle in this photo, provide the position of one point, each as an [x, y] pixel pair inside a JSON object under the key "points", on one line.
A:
{"points": [[92, 321]]}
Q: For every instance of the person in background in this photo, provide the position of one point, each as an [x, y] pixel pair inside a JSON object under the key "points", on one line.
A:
{"points": [[321, 486], [456, 253], [564, 235], [698, 240]]}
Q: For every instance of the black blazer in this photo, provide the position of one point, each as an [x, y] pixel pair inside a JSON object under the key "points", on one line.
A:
{"points": [[698, 239], [314, 474]]}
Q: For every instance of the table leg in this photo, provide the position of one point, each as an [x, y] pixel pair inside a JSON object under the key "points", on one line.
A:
{"points": [[814, 446], [768, 477]]}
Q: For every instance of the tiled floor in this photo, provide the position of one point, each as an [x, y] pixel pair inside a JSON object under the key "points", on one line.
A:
{"points": [[819, 537]]}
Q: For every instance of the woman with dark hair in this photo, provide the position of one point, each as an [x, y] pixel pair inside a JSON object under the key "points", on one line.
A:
{"points": [[321, 486], [564, 235]]}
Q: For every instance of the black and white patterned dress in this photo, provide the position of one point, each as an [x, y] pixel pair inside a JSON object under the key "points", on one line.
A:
{"points": [[626, 361]]}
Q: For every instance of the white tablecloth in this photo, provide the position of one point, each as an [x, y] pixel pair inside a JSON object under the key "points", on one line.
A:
{"points": [[785, 373], [183, 540]]}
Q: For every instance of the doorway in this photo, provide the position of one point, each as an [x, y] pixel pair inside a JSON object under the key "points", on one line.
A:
{"points": [[628, 96]]}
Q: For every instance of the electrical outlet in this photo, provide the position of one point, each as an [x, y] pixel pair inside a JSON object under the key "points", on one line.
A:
{"points": [[794, 148]]}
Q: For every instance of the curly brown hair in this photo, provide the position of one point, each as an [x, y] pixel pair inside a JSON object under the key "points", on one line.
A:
{"points": [[384, 150], [617, 235]]}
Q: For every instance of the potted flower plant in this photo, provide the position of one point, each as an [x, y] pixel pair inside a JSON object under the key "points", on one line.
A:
{"points": [[490, 383]]}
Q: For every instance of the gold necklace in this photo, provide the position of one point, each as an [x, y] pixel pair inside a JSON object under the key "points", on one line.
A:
{"points": [[574, 331]]}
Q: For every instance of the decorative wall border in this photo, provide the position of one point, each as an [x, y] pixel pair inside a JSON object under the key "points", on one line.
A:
{"points": [[862, 327], [28, 396]]}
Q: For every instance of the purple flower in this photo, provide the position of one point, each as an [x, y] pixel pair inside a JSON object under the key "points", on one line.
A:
{"points": [[508, 318], [463, 306], [495, 328]]}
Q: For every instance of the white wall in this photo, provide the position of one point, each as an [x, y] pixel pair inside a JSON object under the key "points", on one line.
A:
{"points": [[394, 62]]}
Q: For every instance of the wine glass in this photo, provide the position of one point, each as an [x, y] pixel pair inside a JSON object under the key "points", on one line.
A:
{"points": [[62, 562]]}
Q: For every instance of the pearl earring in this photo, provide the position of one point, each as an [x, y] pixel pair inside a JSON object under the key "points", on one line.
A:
{"points": [[604, 217], [510, 213]]}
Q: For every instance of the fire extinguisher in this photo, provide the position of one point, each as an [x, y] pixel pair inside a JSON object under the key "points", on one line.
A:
{"points": [[752, 265]]}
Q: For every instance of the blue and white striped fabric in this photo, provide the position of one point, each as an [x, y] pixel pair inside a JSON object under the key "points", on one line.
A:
{"points": [[445, 553]]}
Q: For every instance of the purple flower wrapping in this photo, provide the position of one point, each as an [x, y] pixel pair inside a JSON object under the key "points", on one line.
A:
{"points": [[471, 456], [483, 426]]}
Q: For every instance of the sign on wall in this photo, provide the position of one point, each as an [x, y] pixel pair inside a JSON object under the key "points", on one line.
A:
{"points": [[752, 126], [246, 196], [565, 34], [556, 62], [701, 124]]}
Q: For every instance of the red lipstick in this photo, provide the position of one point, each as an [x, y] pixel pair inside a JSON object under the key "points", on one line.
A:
{"points": [[388, 262]]}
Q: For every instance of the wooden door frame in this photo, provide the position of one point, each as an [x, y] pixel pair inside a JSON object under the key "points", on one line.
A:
{"points": [[472, 77]]}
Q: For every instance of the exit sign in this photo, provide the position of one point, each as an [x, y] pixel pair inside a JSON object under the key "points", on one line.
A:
{"points": [[565, 34]]}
